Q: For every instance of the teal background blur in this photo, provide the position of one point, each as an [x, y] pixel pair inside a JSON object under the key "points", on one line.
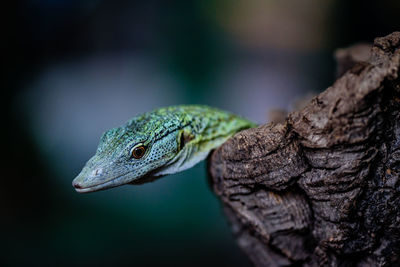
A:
{"points": [[77, 68]]}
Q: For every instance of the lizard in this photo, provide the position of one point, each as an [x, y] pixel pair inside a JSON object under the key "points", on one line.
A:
{"points": [[157, 143]]}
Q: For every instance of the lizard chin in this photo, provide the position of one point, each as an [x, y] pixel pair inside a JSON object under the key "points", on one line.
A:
{"points": [[145, 179]]}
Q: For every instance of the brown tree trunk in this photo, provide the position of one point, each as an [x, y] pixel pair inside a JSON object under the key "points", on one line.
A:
{"points": [[322, 188]]}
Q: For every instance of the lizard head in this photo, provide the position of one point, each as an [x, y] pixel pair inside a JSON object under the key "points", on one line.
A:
{"points": [[164, 141], [133, 153]]}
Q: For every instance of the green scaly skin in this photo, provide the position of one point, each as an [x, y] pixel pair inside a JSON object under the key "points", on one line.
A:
{"points": [[175, 138]]}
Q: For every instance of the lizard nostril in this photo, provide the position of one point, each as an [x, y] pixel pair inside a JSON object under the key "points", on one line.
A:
{"points": [[97, 171]]}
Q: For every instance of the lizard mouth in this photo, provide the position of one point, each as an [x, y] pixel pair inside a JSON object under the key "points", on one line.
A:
{"points": [[115, 181]]}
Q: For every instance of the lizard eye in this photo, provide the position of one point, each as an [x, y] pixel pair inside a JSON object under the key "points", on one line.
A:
{"points": [[138, 151]]}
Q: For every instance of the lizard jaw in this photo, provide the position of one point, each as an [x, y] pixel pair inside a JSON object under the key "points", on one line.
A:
{"points": [[116, 181]]}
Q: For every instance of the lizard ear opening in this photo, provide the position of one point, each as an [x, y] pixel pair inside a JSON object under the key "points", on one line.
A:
{"points": [[184, 138]]}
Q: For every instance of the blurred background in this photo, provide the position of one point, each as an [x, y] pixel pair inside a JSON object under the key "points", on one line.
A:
{"points": [[74, 69]]}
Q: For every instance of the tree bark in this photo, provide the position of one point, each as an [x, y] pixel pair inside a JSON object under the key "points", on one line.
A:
{"points": [[322, 188]]}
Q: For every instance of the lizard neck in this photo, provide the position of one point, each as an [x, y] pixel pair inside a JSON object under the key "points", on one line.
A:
{"points": [[190, 155]]}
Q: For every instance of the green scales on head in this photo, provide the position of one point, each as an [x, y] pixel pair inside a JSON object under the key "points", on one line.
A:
{"points": [[164, 141]]}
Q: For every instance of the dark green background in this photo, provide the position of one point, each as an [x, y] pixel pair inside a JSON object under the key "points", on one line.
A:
{"points": [[176, 220]]}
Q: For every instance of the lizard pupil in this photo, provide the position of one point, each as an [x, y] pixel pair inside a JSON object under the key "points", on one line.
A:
{"points": [[138, 152]]}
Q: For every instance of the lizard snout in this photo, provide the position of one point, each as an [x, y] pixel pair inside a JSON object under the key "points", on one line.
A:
{"points": [[94, 179], [80, 181]]}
